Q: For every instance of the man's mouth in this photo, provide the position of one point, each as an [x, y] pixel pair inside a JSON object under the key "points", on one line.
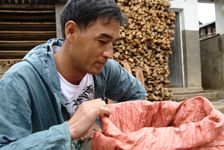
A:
{"points": [[101, 64]]}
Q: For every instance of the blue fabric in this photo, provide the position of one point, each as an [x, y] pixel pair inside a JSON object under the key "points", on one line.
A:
{"points": [[31, 114]]}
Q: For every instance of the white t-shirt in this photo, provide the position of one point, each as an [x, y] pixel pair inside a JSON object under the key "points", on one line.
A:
{"points": [[74, 95]]}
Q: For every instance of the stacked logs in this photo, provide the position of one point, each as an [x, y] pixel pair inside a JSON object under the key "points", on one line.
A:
{"points": [[146, 43]]}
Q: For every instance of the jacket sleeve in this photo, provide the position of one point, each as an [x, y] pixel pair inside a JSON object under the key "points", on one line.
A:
{"points": [[16, 124], [121, 85]]}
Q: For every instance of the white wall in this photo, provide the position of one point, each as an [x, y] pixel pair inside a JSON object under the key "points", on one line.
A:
{"points": [[219, 16], [189, 13]]}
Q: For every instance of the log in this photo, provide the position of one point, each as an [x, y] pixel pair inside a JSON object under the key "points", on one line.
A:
{"points": [[145, 44]]}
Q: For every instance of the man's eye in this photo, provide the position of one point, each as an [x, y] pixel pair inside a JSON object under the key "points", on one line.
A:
{"points": [[103, 42]]}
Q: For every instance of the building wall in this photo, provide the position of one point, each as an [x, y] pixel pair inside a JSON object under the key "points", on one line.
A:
{"points": [[190, 41], [205, 1], [212, 54], [207, 30], [219, 4], [188, 9]]}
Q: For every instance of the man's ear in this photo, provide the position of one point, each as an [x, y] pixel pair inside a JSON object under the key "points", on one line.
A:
{"points": [[70, 29]]}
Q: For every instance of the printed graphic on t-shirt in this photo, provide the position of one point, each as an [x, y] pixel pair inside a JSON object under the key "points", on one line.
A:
{"points": [[86, 95], [74, 95]]}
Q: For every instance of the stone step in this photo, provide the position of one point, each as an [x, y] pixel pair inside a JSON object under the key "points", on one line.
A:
{"points": [[219, 104], [211, 95], [186, 93], [215, 96]]}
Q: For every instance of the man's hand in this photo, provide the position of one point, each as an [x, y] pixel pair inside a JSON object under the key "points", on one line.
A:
{"points": [[85, 116], [90, 132]]}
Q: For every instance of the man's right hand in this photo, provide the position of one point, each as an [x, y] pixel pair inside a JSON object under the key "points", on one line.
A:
{"points": [[85, 116]]}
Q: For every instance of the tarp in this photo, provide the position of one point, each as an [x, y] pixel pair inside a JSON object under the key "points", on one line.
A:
{"points": [[192, 124]]}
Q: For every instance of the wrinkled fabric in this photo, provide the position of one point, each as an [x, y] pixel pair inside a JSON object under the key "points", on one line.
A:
{"points": [[192, 124]]}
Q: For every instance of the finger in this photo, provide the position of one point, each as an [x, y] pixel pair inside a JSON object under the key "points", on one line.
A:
{"points": [[82, 138], [105, 110], [92, 133], [88, 135], [96, 129]]}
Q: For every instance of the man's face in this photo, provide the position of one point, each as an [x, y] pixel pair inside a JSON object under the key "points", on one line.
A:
{"points": [[92, 47]]}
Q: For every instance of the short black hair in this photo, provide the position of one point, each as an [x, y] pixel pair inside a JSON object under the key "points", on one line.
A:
{"points": [[84, 12]]}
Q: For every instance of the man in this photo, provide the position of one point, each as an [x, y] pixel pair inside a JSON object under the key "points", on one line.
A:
{"points": [[53, 96]]}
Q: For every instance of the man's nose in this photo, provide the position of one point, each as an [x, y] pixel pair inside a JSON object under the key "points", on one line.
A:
{"points": [[108, 52]]}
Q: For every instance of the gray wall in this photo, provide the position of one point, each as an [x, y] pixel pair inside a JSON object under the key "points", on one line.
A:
{"points": [[192, 63], [212, 61]]}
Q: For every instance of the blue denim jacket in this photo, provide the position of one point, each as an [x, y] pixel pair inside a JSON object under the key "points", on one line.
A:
{"points": [[31, 114]]}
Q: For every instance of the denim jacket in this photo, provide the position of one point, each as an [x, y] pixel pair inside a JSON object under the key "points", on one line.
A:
{"points": [[31, 113]]}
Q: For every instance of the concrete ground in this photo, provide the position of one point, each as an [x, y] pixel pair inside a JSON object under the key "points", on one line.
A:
{"points": [[215, 96], [219, 105]]}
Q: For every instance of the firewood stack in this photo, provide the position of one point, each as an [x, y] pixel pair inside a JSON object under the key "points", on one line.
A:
{"points": [[146, 43]]}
